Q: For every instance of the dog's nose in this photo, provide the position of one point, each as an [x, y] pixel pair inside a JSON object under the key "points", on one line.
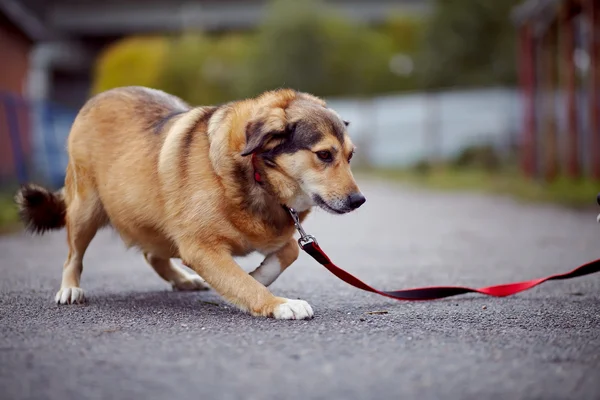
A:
{"points": [[356, 200]]}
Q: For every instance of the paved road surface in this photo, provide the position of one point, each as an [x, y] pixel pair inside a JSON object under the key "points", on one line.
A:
{"points": [[136, 339]]}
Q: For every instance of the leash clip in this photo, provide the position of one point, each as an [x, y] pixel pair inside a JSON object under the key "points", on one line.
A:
{"points": [[304, 237]]}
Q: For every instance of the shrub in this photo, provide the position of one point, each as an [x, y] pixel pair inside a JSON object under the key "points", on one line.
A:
{"points": [[131, 61]]}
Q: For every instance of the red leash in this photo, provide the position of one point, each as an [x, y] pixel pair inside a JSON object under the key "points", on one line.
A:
{"points": [[310, 245]]}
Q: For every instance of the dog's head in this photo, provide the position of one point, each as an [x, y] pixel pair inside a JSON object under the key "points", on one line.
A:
{"points": [[306, 153]]}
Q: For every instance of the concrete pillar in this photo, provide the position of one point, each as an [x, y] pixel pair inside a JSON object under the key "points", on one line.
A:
{"points": [[46, 57], [50, 123]]}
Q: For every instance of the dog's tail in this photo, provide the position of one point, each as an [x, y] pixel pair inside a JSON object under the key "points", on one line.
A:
{"points": [[40, 209]]}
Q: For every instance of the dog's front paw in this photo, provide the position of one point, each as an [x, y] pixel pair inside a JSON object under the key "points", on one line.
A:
{"points": [[191, 282], [293, 309], [70, 295]]}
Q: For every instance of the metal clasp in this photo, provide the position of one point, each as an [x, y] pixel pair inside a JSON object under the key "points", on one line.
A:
{"points": [[304, 237]]}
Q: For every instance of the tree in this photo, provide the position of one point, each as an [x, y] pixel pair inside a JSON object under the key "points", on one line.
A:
{"points": [[204, 70], [469, 42], [290, 48], [307, 46], [304, 45]]}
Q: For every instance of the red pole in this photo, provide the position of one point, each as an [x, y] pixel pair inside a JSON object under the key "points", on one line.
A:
{"points": [[593, 10], [528, 85], [548, 60], [573, 166]]}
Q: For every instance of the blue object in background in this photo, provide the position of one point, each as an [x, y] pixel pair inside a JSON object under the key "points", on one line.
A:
{"points": [[49, 125], [54, 127], [14, 136]]}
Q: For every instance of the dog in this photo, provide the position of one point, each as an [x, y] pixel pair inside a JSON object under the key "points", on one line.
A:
{"points": [[203, 184]]}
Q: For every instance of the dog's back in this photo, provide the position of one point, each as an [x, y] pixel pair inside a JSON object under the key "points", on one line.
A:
{"points": [[112, 176], [122, 122]]}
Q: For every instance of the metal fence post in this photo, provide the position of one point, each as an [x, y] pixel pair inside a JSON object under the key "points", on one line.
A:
{"points": [[14, 136]]}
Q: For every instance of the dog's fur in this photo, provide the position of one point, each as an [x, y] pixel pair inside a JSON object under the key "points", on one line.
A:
{"points": [[179, 182]]}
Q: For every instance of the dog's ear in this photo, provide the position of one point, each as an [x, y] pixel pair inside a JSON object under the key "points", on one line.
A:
{"points": [[261, 130], [256, 137]]}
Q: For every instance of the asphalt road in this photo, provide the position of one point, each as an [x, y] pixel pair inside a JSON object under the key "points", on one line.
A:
{"points": [[135, 339]]}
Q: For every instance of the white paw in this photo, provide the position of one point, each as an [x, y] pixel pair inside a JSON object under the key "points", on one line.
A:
{"points": [[192, 282], [293, 309], [70, 295]]}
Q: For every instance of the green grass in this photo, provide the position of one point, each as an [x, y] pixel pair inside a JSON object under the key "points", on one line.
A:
{"points": [[563, 191], [9, 217]]}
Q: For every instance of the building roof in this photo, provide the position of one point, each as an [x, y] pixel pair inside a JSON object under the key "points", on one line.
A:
{"points": [[535, 9], [21, 15], [41, 19], [540, 14]]}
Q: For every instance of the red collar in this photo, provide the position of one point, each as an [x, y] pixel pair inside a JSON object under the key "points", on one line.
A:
{"points": [[257, 176]]}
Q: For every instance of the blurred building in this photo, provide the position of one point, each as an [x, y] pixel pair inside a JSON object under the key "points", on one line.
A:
{"points": [[16, 42], [56, 41], [560, 78]]}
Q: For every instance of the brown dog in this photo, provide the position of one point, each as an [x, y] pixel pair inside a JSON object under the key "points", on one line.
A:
{"points": [[202, 184]]}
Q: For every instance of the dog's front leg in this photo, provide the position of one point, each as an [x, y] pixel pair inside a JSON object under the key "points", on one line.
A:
{"points": [[223, 274], [275, 263]]}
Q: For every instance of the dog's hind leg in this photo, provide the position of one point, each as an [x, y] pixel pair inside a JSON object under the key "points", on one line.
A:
{"points": [[275, 263], [85, 215], [176, 276]]}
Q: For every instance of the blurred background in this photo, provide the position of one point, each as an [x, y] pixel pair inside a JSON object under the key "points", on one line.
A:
{"points": [[496, 95]]}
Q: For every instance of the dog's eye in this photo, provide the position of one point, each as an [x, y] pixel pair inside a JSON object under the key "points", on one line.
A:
{"points": [[325, 155], [350, 156]]}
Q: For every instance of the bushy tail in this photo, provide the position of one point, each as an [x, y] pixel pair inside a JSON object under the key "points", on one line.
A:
{"points": [[40, 209]]}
